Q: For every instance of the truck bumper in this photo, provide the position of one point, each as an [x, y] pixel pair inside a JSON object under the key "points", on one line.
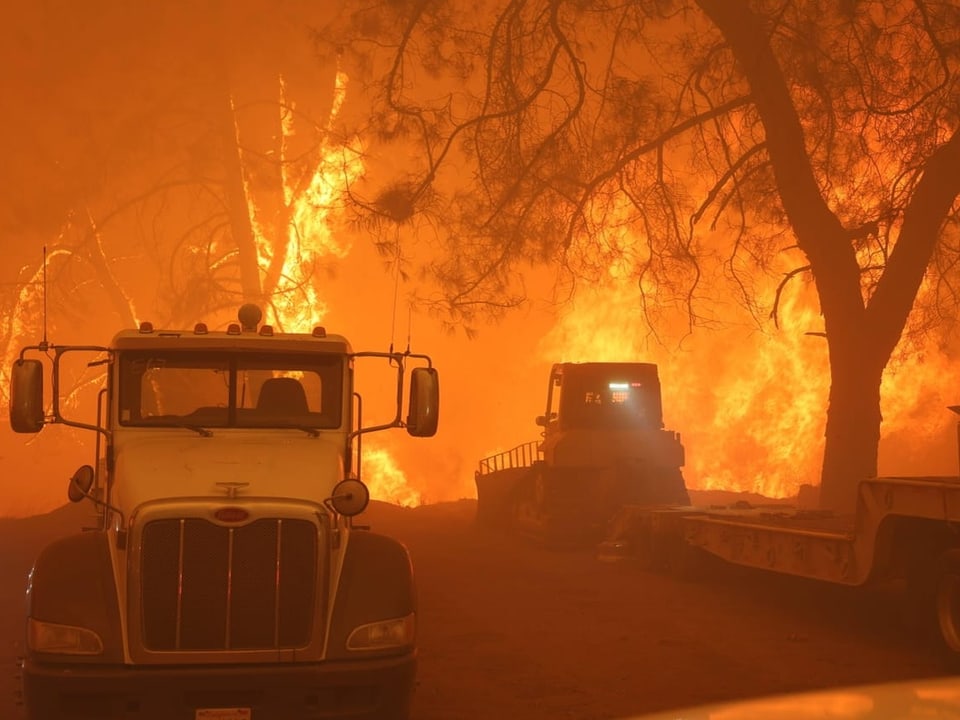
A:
{"points": [[360, 690]]}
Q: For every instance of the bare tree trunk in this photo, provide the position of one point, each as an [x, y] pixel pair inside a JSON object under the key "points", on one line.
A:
{"points": [[261, 128], [853, 424], [238, 208], [853, 416]]}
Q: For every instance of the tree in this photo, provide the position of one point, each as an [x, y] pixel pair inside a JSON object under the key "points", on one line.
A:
{"points": [[821, 134], [167, 157]]}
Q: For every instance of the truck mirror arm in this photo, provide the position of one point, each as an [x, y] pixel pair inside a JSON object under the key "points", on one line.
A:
{"points": [[58, 352], [398, 358], [85, 493]]}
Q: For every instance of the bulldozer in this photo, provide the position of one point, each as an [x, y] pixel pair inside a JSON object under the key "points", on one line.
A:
{"points": [[603, 445]]}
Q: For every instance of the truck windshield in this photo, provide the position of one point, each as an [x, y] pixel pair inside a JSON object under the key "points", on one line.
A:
{"points": [[219, 390]]}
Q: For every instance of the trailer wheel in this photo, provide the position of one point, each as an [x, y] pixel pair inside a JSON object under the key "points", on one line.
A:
{"points": [[947, 605], [643, 546], [682, 561]]}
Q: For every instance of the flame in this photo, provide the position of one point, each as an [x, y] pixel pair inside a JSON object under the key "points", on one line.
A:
{"points": [[751, 402], [386, 480], [20, 323], [296, 303], [313, 189]]}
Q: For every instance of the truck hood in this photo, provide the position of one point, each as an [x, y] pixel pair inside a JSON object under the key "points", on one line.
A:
{"points": [[288, 464]]}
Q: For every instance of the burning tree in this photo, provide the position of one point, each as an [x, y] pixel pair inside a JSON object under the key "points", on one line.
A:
{"points": [[211, 184], [818, 140], [193, 167]]}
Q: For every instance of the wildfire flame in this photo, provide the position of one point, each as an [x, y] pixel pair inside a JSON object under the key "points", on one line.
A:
{"points": [[749, 402], [388, 481], [296, 302], [312, 199]]}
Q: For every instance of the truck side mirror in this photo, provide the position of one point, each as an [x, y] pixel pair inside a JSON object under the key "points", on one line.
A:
{"points": [[80, 483], [26, 396], [424, 407], [350, 497]]}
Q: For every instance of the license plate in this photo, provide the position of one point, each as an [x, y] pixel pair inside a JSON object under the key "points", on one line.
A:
{"points": [[223, 714]]}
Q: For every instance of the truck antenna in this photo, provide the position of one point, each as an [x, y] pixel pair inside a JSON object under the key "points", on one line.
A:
{"points": [[43, 343], [409, 325], [396, 292]]}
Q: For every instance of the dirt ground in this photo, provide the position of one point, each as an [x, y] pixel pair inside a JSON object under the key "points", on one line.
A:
{"points": [[509, 630]]}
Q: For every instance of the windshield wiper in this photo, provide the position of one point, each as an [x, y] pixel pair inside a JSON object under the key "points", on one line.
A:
{"points": [[311, 431], [169, 421], [196, 428]]}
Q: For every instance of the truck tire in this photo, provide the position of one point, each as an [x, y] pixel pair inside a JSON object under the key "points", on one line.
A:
{"points": [[946, 602]]}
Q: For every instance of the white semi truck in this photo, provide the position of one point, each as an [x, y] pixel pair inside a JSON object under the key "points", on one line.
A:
{"points": [[224, 579]]}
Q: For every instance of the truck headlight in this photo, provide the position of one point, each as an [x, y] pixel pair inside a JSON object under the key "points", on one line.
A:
{"points": [[48, 637], [393, 633]]}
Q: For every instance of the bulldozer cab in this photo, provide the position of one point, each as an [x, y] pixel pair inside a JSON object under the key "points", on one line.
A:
{"points": [[602, 396]]}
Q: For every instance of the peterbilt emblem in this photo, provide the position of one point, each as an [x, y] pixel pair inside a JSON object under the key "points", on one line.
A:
{"points": [[232, 487]]}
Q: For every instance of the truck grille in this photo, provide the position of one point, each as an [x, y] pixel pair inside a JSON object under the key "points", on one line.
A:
{"points": [[208, 587]]}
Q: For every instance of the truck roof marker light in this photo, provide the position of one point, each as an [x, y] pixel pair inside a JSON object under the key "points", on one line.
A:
{"points": [[266, 330], [319, 331], [146, 327], [200, 329], [233, 329]]}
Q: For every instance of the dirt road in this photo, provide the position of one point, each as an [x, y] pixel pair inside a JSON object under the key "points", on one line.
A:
{"points": [[512, 631], [508, 630]]}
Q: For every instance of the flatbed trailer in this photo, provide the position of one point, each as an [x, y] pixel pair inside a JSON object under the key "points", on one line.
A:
{"points": [[903, 529]]}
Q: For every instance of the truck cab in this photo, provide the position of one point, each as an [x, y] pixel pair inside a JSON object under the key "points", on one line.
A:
{"points": [[224, 577]]}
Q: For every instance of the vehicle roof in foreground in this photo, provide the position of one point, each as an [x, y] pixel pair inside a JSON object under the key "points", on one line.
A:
{"points": [[930, 698]]}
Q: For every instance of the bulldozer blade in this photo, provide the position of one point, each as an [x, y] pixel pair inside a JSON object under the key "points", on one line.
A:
{"points": [[496, 495]]}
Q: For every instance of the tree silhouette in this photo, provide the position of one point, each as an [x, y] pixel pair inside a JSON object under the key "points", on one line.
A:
{"points": [[165, 155], [179, 160], [820, 139]]}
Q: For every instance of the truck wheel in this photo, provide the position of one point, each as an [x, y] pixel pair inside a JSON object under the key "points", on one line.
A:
{"points": [[947, 606]]}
